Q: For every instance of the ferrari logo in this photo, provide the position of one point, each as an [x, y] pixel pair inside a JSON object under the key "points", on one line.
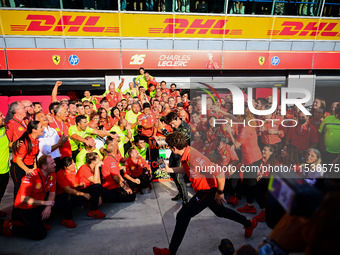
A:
{"points": [[261, 60], [56, 59]]}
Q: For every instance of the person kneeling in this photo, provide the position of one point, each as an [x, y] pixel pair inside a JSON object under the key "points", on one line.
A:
{"points": [[115, 188], [30, 207], [138, 172], [88, 176], [68, 193]]}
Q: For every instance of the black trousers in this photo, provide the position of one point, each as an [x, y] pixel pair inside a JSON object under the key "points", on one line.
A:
{"points": [[74, 154], [201, 200], [17, 174], [95, 191], [4, 178], [252, 188], [144, 181], [117, 195], [66, 202], [174, 161], [32, 224]]}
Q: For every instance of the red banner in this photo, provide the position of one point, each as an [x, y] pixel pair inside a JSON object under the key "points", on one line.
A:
{"points": [[267, 60], [40, 59], [182, 60], [2, 60], [31, 59]]}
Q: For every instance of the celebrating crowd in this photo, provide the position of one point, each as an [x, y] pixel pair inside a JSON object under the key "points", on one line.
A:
{"points": [[95, 150]]}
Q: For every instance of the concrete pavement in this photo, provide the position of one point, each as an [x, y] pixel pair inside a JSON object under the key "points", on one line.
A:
{"points": [[133, 229]]}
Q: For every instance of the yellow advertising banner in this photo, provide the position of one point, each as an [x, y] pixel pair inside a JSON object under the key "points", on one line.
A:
{"points": [[92, 24]]}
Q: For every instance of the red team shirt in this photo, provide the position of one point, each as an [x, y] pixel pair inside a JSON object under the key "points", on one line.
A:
{"points": [[28, 158], [113, 99], [302, 137], [83, 174], [62, 129], [135, 170], [110, 169], [64, 179], [35, 186], [147, 120], [15, 129], [198, 180], [249, 147]]}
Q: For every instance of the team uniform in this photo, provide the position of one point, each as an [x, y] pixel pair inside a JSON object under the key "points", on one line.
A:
{"points": [[15, 129], [35, 186], [139, 170]]}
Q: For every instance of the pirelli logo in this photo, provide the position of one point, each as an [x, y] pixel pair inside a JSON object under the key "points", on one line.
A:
{"points": [[43, 23]]}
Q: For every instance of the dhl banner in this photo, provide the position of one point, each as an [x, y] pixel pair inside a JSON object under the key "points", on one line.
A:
{"points": [[61, 23], [95, 59]]}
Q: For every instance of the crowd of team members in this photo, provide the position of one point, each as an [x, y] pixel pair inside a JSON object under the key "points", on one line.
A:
{"points": [[95, 149]]}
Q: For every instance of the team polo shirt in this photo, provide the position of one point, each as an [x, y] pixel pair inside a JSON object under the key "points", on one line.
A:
{"points": [[132, 92], [147, 120], [113, 99], [35, 186], [110, 169], [71, 120], [122, 134], [166, 90], [135, 170], [81, 157], [302, 136], [28, 158], [93, 102], [271, 139], [330, 127], [174, 94], [192, 157], [142, 81], [143, 151], [249, 147], [62, 128], [4, 155], [74, 130], [131, 117], [65, 178], [15, 128], [114, 121], [228, 154], [83, 174]]}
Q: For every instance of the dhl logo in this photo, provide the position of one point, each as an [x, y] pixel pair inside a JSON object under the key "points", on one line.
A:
{"points": [[65, 23], [295, 28], [201, 26]]}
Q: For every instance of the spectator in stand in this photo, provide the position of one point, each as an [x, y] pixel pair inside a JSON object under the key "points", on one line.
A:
{"points": [[147, 123], [88, 176], [36, 107], [115, 188], [50, 142], [303, 135], [330, 132], [24, 155], [34, 202], [81, 157], [138, 172], [4, 160], [68, 193], [16, 126]]}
